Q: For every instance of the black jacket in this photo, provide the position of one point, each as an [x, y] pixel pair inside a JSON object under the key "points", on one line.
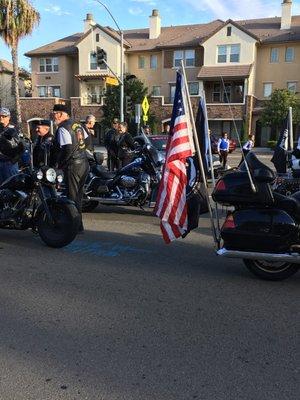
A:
{"points": [[125, 145], [11, 148]]}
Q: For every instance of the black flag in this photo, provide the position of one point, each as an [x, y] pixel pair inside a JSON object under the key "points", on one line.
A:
{"points": [[202, 134], [279, 158]]}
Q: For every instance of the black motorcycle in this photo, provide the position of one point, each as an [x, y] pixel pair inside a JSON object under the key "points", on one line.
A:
{"points": [[262, 226], [28, 200], [135, 184]]}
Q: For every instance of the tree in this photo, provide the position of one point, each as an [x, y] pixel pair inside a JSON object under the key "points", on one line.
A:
{"points": [[277, 108], [133, 88], [17, 19]]}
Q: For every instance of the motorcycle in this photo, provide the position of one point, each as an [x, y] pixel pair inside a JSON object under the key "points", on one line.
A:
{"points": [[28, 200], [135, 184], [262, 226]]}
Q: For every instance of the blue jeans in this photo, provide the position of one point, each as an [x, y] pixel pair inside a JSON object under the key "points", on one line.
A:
{"points": [[7, 169]]}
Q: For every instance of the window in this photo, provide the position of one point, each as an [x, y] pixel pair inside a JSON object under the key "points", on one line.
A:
{"points": [[229, 53], [97, 37], [289, 54], [48, 91], [227, 93], [274, 56], [193, 88], [229, 30], [189, 56], [268, 88], [49, 64], [172, 93], [222, 54], [153, 62], [292, 87], [141, 62], [93, 60], [178, 56], [235, 53], [216, 95], [156, 90]]}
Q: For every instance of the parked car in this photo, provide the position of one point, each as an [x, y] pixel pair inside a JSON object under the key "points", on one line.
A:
{"points": [[160, 142], [214, 144]]}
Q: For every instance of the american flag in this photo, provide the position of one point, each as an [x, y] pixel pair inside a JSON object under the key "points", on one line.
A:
{"points": [[171, 206]]}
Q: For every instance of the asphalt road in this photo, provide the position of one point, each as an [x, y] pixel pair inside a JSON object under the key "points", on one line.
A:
{"points": [[119, 315]]}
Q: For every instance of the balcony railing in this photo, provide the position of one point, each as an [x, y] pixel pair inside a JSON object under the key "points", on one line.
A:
{"points": [[93, 99]]}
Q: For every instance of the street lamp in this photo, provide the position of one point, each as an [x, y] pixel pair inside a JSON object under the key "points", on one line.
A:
{"points": [[122, 67]]}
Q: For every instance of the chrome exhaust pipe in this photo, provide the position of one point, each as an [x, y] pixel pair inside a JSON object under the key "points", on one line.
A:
{"points": [[107, 200], [253, 255]]}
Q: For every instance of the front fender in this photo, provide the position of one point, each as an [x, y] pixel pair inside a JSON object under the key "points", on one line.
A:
{"points": [[59, 200]]}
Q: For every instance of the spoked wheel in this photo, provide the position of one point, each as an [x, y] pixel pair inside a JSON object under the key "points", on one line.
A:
{"points": [[64, 227], [271, 270], [89, 205]]}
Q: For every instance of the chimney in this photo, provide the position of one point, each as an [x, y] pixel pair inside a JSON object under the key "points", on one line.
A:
{"points": [[154, 25], [88, 22], [286, 14]]}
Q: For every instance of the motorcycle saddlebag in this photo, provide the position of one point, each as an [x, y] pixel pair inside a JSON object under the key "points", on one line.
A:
{"points": [[266, 230], [234, 189]]}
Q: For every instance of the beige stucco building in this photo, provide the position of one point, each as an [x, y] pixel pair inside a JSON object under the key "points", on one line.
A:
{"points": [[6, 89], [236, 64]]}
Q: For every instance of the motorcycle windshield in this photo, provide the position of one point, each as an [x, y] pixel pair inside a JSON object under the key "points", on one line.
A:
{"points": [[154, 155]]}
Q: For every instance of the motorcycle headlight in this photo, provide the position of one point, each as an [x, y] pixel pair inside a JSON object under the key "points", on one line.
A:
{"points": [[39, 175], [50, 175], [60, 178]]}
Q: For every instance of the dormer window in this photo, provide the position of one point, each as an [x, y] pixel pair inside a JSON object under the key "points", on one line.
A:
{"points": [[229, 28]]}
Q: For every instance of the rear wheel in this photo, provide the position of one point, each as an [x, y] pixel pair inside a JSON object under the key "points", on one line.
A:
{"points": [[271, 270], [64, 227]]}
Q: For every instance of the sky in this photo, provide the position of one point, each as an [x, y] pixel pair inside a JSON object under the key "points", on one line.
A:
{"points": [[63, 18]]}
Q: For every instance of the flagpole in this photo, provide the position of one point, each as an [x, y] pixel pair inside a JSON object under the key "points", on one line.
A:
{"points": [[208, 141], [213, 228], [291, 128]]}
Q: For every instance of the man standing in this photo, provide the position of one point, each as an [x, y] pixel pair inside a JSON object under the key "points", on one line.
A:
{"points": [[11, 148], [71, 154], [223, 149], [89, 129], [43, 153], [111, 144], [126, 145]]}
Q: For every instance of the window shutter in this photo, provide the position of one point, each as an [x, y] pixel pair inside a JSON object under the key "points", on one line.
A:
{"points": [[168, 58], [199, 56]]}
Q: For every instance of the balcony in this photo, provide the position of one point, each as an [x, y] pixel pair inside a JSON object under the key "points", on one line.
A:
{"points": [[93, 99]]}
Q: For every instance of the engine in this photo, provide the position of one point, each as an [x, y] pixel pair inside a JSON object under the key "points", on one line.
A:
{"points": [[10, 202], [128, 182]]}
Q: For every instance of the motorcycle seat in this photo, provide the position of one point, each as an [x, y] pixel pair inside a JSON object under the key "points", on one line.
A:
{"points": [[101, 172], [289, 204]]}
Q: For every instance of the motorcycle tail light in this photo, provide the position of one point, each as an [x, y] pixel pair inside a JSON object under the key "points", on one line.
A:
{"points": [[229, 222], [220, 186]]}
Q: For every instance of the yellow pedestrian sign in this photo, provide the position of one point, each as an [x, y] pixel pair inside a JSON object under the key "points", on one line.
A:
{"points": [[145, 105], [145, 118]]}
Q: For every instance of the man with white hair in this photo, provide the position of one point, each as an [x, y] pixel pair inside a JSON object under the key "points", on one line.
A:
{"points": [[89, 129]]}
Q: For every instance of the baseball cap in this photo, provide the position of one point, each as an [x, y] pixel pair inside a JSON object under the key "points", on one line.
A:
{"points": [[4, 111]]}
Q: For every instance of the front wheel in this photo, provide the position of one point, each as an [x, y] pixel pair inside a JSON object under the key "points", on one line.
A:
{"points": [[271, 270], [64, 227], [89, 205]]}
